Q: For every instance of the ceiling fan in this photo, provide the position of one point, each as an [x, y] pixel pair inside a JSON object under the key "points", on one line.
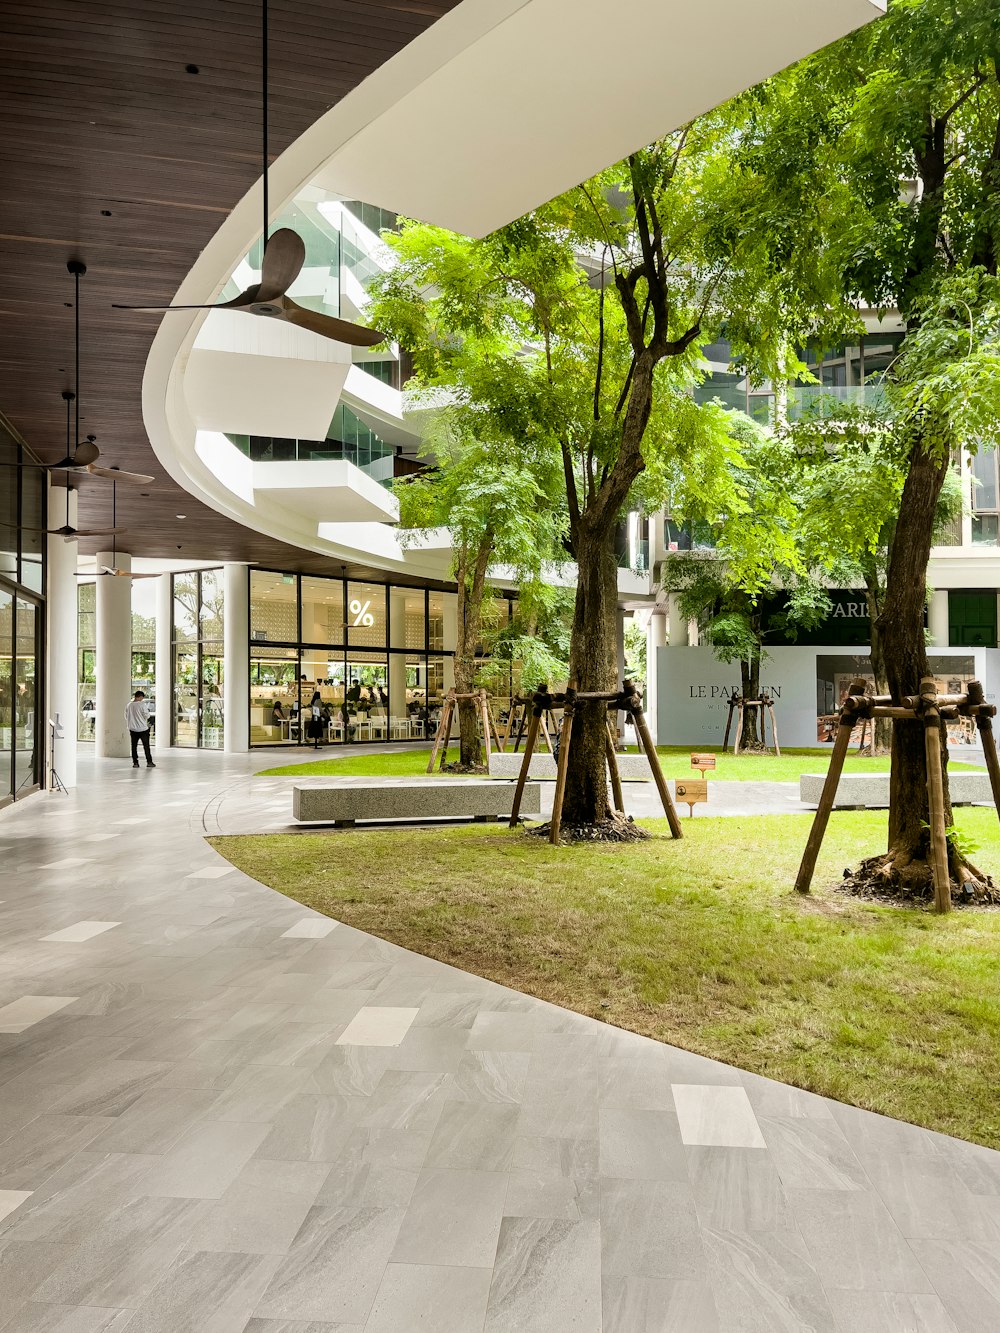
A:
{"points": [[284, 255], [112, 570], [67, 530]]}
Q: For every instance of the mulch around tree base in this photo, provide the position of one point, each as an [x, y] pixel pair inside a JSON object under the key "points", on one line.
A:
{"points": [[871, 880], [608, 830]]}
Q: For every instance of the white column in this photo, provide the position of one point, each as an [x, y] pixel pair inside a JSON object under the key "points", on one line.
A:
{"points": [[114, 658], [450, 619], [236, 658], [692, 633], [397, 661], [164, 663], [61, 694], [677, 628], [656, 638], [937, 618]]}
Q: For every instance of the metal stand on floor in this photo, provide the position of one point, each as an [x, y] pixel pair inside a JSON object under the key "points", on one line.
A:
{"points": [[55, 734]]}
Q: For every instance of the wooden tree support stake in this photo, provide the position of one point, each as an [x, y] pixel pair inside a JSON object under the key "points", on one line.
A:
{"points": [[828, 795], [934, 759], [565, 736], [529, 749], [633, 702], [984, 724], [616, 777], [446, 716]]}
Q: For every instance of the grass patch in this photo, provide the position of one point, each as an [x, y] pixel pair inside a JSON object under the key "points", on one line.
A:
{"points": [[700, 943], [344, 764], [676, 761]]}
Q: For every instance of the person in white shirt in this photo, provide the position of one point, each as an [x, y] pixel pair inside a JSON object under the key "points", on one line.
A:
{"points": [[137, 721]]}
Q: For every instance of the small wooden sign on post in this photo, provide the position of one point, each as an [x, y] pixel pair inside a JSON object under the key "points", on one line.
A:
{"points": [[692, 791], [703, 761]]}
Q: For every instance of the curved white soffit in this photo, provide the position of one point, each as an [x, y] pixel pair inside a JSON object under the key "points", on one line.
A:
{"points": [[510, 102]]}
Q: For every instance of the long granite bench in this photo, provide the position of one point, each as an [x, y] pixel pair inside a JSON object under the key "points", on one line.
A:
{"points": [[464, 798], [632, 767], [866, 791]]}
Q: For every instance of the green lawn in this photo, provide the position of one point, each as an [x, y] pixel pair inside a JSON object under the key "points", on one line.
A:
{"points": [[700, 943], [676, 761]]}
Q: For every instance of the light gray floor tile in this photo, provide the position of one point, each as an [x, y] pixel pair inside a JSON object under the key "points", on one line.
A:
{"points": [[212, 872], [310, 928], [764, 1282], [854, 1243], [313, 1127], [737, 1189], [489, 1076], [405, 1100], [649, 1228], [542, 1193], [118, 1264], [262, 1210], [501, 1031], [658, 1305], [78, 933], [812, 1153], [780, 1099], [716, 1115], [205, 1161], [926, 1199], [686, 1067], [112, 1088], [641, 1145], [474, 1137], [547, 1276], [36, 1317], [432, 1300], [560, 1111], [375, 1169], [641, 1083], [437, 1049], [888, 1312], [334, 1267], [966, 1276], [28, 1157], [23, 1013], [377, 1026], [11, 1199], [155, 1120], [453, 1218], [205, 1293]]}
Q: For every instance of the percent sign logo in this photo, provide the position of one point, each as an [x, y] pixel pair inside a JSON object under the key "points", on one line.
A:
{"points": [[363, 615]]}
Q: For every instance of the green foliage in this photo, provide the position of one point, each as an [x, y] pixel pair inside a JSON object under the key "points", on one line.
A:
{"points": [[635, 652]]}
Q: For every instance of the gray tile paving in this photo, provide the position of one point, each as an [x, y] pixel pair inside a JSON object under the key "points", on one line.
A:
{"points": [[200, 1128]]}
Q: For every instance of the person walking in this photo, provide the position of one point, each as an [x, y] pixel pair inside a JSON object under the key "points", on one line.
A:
{"points": [[314, 725], [137, 721]]}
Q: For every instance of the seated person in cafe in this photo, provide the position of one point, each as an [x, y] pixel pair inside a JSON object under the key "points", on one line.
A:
{"points": [[277, 713]]}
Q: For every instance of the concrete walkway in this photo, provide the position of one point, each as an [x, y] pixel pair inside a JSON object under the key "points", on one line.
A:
{"points": [[222, 1113]]}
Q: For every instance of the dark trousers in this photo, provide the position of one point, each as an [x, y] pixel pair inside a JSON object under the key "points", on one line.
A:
{"points": [[138, 736]]}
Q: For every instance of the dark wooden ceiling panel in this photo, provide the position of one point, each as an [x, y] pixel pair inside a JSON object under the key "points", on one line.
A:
{"points": [[98, 113]]}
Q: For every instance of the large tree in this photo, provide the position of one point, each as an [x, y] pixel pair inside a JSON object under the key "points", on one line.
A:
{"points": [[579, 328], [895, 131], [499, 510]]}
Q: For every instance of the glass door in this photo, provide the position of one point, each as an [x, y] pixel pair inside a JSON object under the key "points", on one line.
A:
{"points": [[7, 691], [26, 729]]}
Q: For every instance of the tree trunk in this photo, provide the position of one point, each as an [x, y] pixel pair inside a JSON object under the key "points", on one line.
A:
{"points": [[753, 733], [471, 570], [593, 665], [900, 630], [882, 742]]}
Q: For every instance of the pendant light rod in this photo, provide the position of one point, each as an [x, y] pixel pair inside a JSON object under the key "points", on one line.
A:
{"points": [[263, 68], [69, 397], [77, 268]]}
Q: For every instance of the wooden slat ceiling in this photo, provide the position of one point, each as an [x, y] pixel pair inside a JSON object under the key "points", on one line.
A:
{"points": [[99, 116]]}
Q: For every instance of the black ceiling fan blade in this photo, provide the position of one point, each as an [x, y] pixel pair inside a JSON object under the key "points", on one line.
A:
{"points": [[156, 309], [92, 532], [284, 255], [327, 326]]}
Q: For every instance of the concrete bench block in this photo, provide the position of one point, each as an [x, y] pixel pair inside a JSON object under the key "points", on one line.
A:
{"points": [[632, 767], [464, 798], [871, 790]]}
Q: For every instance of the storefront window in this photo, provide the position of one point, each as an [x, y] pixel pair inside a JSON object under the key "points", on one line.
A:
{"points": [[22, 576], [86, 674], [274, 696], [322, 610], [273, 607], [366, 618], [199, 700]]}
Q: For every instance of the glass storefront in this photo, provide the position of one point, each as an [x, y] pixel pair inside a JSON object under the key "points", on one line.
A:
{"points": [[380, 657], [198, 704], [22, 579], [86, 661]]}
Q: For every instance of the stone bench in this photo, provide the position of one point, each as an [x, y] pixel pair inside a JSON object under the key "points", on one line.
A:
{"points": [[866, 791], [632, 767], [463, 798]]}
